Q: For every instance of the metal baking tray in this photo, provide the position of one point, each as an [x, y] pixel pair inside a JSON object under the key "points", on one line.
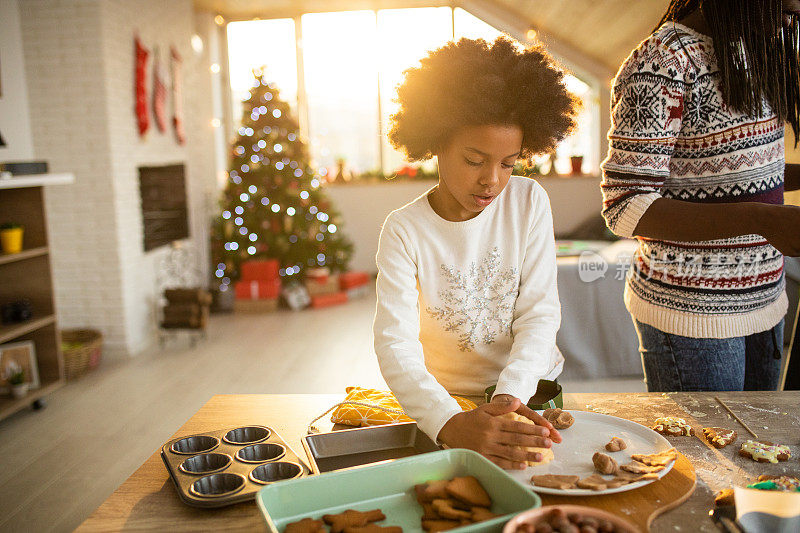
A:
{"points": [[347, 448], [228, 466]]}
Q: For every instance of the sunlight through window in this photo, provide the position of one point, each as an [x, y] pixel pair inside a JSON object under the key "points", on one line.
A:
{"points": [[341, 84], [267, 44]]}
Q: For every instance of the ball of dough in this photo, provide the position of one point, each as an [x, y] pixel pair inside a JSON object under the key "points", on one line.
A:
{"points": [[547, 453]]}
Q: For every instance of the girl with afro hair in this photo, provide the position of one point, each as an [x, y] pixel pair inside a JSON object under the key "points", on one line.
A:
{"points": [[466, 286]]}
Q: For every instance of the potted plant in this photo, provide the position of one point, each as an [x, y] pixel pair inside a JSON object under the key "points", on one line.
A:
{"points": [[577, 164], [11, 237], [15, 375]]}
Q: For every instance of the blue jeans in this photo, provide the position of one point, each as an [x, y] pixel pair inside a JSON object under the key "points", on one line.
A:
{"points": [[677, 363]]}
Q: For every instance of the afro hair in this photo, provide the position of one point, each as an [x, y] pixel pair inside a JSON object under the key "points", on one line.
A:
{"points": [[472, 83]]}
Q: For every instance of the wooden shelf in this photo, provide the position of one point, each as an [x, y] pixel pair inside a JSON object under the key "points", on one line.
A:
{"points": [[24, 254], [28, 275], [12, 331], [37, 180], [9, 406]]}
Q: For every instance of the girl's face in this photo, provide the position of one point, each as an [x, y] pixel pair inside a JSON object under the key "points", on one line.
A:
{"points": [[474, 168]]}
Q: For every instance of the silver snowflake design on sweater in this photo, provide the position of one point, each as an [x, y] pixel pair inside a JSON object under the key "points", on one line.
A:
{"points": [[478, 305]]}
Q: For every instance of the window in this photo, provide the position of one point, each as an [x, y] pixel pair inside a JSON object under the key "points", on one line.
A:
{"points": [[268, 45], [431, 28], [352, 62], [341, 84]]}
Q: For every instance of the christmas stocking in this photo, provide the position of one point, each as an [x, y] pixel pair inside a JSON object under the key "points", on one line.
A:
{"points": [[159, 94], [177, 89], [142, 118]]}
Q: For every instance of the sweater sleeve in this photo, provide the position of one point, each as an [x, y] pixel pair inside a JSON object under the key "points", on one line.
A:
{"points": [[537, 312], [646, 116], [396, 330]]}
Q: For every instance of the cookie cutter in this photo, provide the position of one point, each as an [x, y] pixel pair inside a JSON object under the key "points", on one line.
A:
{"points": [[549, 395]]}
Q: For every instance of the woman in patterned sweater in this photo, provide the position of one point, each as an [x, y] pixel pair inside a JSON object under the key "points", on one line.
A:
{"points": [[696, 172]]}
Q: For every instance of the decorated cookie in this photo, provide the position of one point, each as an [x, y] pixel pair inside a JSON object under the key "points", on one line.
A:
{"points": [[306, 525], [604, 464], [616, 444], [672, 427], [719, 437], [555, 481], [656, 459], [559, 418], [351, 518], [764, 451], [780, 483]]}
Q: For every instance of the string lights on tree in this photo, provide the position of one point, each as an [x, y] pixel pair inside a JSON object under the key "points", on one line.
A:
{"points": [[273, 205]]}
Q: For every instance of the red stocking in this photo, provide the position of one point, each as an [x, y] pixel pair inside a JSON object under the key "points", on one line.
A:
{"points": [[142, 118], [177, 89], [159, 94]]}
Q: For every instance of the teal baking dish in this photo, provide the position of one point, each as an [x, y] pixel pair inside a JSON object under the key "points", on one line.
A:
{"points": [[389, 487]]}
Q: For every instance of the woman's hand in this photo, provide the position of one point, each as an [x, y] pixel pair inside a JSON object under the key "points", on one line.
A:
{"points": [[486, 432]]}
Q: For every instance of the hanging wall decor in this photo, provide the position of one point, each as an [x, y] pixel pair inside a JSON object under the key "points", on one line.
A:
{"points": [[140, 88], [159, 93], [177, 90]]}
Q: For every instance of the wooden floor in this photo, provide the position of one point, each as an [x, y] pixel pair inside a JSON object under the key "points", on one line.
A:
{"points": [[58, 464]]}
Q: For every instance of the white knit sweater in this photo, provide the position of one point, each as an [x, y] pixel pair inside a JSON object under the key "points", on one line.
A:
{"points": [[465, 305]]}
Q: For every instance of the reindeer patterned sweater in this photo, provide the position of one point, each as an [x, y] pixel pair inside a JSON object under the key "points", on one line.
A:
{"points": [[672, 136]]}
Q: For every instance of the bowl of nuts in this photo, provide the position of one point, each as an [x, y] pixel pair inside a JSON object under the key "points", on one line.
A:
{"points": [[567, 518]]}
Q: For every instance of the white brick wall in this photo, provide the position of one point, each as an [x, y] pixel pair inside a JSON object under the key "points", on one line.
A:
{"points": [[79, 56]]}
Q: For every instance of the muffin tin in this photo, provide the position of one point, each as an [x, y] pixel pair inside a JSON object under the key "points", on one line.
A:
{"points": [[229, 466]]}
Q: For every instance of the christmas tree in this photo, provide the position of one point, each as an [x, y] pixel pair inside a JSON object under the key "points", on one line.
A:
{"points": [[273, 205]]}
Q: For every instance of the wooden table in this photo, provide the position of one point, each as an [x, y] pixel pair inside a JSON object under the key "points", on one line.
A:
{"points": [[148, 500]]}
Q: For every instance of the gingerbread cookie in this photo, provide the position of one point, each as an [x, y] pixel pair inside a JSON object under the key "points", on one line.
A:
{"points": [[431, 490], [428, 512], [433, 526], [656, 459], [374, 528], [604, 464], [593, 482], [546, 453], [467, 489], [555, 481], [446, 509], [636, 467], [719, 437], [306, 525], [559, 418], [765, 451], [351, 518], [616, 444], [480, 514]]}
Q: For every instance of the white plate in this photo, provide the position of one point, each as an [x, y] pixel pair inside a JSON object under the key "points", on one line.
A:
{"points": [[589, 434]]}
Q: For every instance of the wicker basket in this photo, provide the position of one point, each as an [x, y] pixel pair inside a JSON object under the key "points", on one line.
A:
{"points": [[86, 355]]}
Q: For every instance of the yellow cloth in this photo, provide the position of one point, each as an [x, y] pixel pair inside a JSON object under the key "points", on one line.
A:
{"points": [[359, 415]]}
